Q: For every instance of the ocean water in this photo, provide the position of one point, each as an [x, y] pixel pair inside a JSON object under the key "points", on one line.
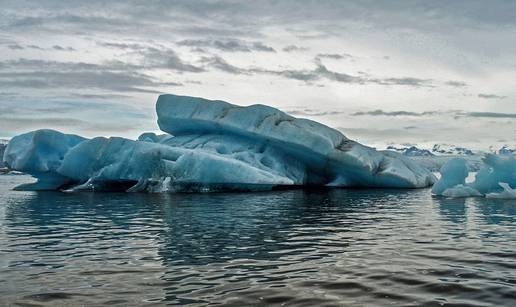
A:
{"points": [[292, 248]]}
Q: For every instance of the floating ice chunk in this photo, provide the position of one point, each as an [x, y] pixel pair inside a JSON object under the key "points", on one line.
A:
{"points": [[499, 171], [453, 173], [498, 168], [508, 192]]}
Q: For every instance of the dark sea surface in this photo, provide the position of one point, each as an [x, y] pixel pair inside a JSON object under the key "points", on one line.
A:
{"points": [[293, 248]]}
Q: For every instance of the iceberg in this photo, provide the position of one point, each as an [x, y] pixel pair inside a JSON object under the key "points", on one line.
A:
{"points": [[211, 146], [326, 155], [40, 153], [453, 173], [494, 180]]}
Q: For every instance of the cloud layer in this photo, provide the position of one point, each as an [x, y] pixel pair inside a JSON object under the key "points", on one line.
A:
{"points": [[340, 62]]}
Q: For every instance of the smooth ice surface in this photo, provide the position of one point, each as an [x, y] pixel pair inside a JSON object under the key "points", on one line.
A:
{"points": [[495, 180], [40, 153], [211, 145], [327, 155]]}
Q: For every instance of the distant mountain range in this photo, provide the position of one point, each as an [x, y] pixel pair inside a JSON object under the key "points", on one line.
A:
{"points": [[505, 150], [411, 151], [444, 150]]}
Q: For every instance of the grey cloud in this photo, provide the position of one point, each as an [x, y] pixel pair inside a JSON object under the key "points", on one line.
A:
{"points": [[230, 15], [113, 81], [80, 21], [456, 83], [52, 75], [310, 112], [259, 46], [193, 82], [15, 47], [168, 59], [455, 113], [394, 113], [154, 56], [336, 76], [335, 56], [125, 46], [221, 64], [319, 73], [301, 75], [292, 48], [61, 48], [229, 45], [492, 115], [34, 47], [410, 81], [98, 96], [491, 96], [54, 47]]}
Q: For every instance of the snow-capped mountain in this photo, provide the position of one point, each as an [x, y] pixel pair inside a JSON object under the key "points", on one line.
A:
{"points": [[505, 150], [433, 159], [411, 151], [448, 149]]}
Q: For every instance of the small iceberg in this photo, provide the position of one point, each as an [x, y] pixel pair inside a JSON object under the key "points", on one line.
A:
{"points": [[210, 145], [494, 180]]}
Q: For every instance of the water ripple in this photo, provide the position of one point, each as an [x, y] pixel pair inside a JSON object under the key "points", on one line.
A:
{"points": [[289, 248]]}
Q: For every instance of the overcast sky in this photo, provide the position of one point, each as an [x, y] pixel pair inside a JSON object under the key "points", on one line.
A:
{"points": [[382, 72]]}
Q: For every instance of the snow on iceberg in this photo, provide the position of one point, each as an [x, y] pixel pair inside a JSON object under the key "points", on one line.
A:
{"points": [[211, 145], [494, 180]]}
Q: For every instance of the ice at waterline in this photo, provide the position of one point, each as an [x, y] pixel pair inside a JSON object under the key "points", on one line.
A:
{"points": [[494, 180], [211, 146]]}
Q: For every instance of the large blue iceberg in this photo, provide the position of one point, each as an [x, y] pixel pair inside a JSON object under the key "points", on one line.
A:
{"points": [[211, 146]]}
